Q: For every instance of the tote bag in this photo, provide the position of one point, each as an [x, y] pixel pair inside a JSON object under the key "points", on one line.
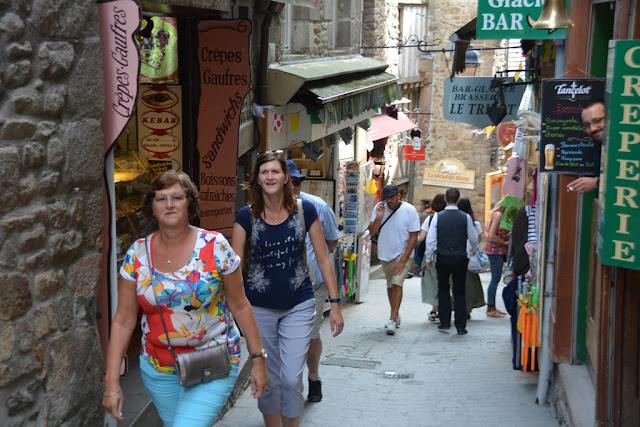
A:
{"points": [[478, 263]]}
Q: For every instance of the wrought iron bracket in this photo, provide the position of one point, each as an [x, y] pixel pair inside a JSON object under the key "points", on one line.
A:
{"points": [[499, 79], [410, 41]]}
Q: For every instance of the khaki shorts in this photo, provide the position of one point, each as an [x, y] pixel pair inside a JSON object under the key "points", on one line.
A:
{"points": [[387, 267], [321, 294]]}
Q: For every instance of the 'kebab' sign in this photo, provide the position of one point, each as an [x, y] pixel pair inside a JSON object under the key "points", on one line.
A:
{"points": [[160, 126]]}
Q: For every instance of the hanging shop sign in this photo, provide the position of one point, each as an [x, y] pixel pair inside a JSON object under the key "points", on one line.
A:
{"points": [[410, 153], [159, 52], [225, 76], [564, 145], [449, 173], [512, 19], [618, 241], [469, 99], [118, 22], [160, 126], [506, 133]]}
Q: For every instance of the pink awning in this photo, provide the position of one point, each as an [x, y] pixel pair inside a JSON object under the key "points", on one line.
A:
{"points": [[383, 126]]}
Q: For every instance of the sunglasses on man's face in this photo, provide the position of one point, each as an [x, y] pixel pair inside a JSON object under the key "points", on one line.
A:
{"points": [[296, 182]]}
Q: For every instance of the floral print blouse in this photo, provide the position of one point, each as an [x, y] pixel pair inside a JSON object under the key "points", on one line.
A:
{"points": [[495, 248], [191, 300]]}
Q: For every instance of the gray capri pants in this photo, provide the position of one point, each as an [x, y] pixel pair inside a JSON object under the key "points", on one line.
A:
{"points": [[285, 335], [321, 295]]}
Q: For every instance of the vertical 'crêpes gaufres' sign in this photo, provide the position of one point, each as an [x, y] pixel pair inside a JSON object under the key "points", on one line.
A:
{"points": [[619, 202], [118, 22], [225, 75], [564, 145]]}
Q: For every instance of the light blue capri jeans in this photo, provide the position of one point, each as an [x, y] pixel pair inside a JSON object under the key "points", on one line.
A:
{"points": [[193, 406], [285, 335]]}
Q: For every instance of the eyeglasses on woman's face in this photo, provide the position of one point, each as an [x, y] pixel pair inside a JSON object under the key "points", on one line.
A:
{"points": [[175, 199]]}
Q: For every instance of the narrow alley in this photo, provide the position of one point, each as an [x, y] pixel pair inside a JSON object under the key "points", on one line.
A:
{"points": [[445, 379]]}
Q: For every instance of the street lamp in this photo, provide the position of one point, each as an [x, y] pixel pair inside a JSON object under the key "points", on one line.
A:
{"points": [[471, 58], [471, 62]]}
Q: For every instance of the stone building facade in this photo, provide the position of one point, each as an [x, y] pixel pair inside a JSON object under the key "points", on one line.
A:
{"points": [[51, 215], [331, 29]]}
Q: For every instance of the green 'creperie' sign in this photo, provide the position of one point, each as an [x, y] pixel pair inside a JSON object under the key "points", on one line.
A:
{"points": [[619, 201], [512, 19]]}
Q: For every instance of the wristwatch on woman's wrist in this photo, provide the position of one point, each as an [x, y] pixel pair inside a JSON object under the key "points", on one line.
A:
{"points": [[332, 300], [262, 353]]}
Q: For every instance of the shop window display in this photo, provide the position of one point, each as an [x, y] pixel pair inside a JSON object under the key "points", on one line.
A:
{"points": [[131, 176], [306, 165], [152, 141]]}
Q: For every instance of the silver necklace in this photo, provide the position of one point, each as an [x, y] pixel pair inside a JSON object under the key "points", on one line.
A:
{"points": [[169, 256]]}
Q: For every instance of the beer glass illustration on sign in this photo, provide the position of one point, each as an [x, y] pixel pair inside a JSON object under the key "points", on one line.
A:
{"points": [[549, 152]]}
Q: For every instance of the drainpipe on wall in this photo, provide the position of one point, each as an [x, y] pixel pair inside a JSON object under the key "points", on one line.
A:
{"points": [[545, 364], [273, 9]]}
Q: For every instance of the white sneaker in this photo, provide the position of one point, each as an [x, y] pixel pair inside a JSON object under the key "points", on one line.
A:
{"points": [[398, 321], [391, 327]]}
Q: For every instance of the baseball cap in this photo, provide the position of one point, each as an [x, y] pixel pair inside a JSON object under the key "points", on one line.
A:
{"points": [[389, 190], [293, 170]]}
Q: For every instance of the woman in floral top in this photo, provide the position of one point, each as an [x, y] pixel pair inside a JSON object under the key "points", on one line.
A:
{"points": [[198, 283]]}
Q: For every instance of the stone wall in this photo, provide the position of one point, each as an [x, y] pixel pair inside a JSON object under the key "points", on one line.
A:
{"points": [[382, 28], [332, 29], [449, 138], [51, 215]]}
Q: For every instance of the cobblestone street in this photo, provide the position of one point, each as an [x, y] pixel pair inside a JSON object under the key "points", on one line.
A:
{"points": [[451, 380]]}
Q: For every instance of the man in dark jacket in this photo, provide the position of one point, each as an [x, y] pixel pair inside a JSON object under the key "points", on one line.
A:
{"points": [[449, 232]]}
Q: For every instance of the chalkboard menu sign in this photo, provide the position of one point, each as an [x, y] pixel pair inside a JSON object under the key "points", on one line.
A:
{"points": [[564, 145]]}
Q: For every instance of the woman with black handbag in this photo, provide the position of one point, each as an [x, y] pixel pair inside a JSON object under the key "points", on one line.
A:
{"points": [[187, 281], [278, 284]]}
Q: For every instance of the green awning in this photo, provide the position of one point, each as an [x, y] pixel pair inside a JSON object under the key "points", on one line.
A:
{"points": [[346, 99], [343, 87], [328, 90]]}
